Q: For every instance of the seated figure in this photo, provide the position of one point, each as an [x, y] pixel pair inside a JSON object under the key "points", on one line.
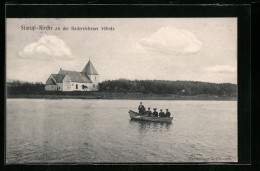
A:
{"points": [[168, 114], [155, 113], [162, 114], [149, 113]]}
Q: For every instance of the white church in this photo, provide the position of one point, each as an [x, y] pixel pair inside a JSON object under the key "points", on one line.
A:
{"points": [[86, 80]]}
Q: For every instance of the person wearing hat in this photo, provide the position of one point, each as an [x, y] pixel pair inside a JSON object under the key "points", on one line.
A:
{"points": [[168, 114], [155, 113], [141, 108], [162, 114], [149, 112]]}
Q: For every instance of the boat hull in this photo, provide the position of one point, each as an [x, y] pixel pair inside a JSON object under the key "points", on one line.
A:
{"points": [[136, 116]]}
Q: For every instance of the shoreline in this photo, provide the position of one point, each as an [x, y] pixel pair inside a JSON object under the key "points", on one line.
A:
{"points": [[122, 96]]}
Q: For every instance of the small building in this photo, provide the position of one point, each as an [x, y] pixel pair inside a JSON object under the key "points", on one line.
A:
{"points": [[86, 80]]}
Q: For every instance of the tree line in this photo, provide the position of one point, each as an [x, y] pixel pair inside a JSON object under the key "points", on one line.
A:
{"points": [[189, 88], [168, 87], [20, 87]]}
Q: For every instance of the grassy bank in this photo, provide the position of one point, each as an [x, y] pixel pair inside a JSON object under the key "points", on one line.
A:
{"points": [[98, 95]]}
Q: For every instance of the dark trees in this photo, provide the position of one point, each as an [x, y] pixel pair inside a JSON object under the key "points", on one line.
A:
{"points": [[168, 87]]}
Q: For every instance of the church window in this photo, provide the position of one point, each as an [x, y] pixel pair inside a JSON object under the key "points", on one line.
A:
{"points": [[95, 78], [93, 85], [76, 86]]}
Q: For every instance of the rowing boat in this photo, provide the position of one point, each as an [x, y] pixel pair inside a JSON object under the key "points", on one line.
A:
{"points": [[136, 116]]}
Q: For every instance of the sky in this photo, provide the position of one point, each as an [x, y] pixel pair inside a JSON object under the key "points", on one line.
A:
{"points": [[195, 49]]}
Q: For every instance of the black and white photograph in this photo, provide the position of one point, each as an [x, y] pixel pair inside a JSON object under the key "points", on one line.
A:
{"points": [[121, 90]]}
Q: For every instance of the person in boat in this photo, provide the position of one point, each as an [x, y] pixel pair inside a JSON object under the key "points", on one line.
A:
{"points": [[141, 108], [144, 111], [155, 113], [168, 114], [149, 112], [162, 114]]}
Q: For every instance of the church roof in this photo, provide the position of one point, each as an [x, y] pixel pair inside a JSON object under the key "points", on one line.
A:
{"points": [[75, 76], [50, 81], [89, 69], [58, 77], [55, 78]]}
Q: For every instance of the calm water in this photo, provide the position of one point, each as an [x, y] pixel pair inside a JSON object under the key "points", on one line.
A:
{"points": [[72, 130]]}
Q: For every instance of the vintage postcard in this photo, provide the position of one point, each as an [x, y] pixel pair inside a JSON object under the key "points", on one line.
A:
{"points": [[121, 90]]}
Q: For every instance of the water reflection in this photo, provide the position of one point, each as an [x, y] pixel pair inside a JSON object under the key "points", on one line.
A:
{"points": [[144, 126]]}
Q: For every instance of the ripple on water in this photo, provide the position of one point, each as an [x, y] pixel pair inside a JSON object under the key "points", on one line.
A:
{"points": [[101, 131]]}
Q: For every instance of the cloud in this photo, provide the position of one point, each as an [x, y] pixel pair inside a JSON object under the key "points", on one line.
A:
{"points": [[172, 41], [48, 47], [221, 68]]}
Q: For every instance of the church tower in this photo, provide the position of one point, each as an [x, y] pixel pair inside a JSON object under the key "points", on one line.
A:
{"points": [[92, 73]]}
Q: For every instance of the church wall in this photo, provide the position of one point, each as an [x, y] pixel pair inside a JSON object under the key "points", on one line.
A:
{"points": [[66, 86], [60, 86], [50, 87], [95, 80], [78, 86]]}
